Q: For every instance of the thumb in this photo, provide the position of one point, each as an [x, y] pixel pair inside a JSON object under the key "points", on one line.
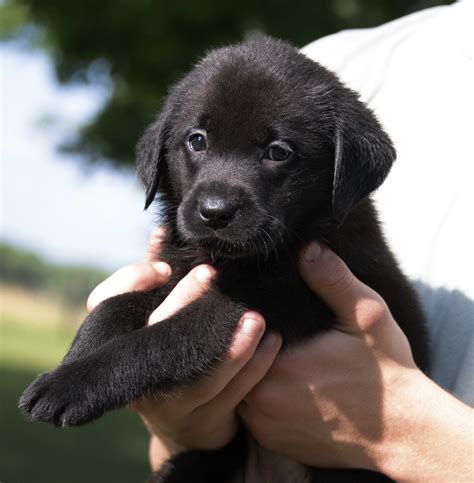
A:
{"points": [[138, 276], [330, 278]]}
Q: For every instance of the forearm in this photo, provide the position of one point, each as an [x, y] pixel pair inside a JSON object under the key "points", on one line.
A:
{"points": [[432, 438]]}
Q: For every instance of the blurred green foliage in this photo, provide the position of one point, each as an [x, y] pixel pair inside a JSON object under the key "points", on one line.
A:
{"points": [[72, 284], [138, 47]]}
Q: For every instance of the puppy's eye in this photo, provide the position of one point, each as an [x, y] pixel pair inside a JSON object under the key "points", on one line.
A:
{"points": [[277, 153], [197, 142]]}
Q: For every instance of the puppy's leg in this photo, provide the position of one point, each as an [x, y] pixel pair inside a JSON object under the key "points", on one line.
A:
{"points": [[114, 317], [151, 359]]}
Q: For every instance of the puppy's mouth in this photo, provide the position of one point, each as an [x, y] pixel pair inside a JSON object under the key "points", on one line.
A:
{"points": [[259, 242], [251, 233], [259, 245]]}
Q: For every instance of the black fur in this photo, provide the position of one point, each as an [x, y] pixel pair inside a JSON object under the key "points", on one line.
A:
{"points": [[241, 100]]}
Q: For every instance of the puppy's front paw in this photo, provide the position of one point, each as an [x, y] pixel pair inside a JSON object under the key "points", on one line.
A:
{"points": [[62, 397]]}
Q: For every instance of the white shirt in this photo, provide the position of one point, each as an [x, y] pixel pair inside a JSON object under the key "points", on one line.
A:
{"points": [[417, 74]]}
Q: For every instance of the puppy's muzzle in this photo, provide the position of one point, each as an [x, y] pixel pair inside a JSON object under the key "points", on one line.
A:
{"points": [[215, 212]]}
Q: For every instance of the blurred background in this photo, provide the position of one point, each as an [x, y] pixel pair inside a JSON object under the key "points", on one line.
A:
{"points": [[79, 82]]}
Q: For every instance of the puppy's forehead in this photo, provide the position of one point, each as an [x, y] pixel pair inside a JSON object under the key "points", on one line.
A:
{"points": [[249, 94], [242, 101]]}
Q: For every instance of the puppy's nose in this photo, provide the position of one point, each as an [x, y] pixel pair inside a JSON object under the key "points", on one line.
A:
{"points": [[217, 212]]}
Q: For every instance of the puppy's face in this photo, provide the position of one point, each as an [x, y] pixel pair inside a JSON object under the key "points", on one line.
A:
{"points": [[241, 161], [249, 150]]}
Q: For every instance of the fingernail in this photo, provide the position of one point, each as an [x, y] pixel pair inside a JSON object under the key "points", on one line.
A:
{"points": [[162, 268], [251, 327], [203, 273], [269, 340], [312, 251]]}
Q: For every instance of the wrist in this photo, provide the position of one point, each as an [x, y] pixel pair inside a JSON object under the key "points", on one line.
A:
{"points": [[160, 450], [405, 417], [161, 447], [158, 453], [427, 435]]}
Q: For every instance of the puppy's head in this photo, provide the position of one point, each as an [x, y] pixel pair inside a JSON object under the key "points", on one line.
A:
{"points": [[256, 144]]}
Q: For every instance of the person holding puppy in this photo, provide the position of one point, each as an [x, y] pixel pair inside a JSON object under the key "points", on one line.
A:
{"points": [[314, 404]]}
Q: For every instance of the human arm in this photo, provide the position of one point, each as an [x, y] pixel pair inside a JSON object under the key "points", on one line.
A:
{"points": [[353, 397]]}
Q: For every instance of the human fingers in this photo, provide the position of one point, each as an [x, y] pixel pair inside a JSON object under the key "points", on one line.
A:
{"points": [[154, 245], [249, 376], [188, 289], [138, 276], [330, 278], [248, 333]]}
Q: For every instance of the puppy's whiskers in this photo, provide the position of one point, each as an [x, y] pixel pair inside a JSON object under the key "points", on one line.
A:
{"points": [[287, 230], [272, 243], [265, 248]]}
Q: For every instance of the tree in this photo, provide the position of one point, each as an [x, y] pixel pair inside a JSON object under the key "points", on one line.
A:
{"points": [[142, 46], [70, 283]]}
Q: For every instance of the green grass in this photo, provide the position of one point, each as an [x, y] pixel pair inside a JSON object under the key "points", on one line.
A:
{"points": [[35, 347], [113, 449]]}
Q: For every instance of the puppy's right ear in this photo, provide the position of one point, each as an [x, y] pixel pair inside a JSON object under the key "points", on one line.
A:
{"points": [[150, 155]]}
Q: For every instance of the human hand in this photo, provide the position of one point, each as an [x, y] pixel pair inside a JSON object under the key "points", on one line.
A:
{"points": [[352, 397], [202, 415], [147, 275]]}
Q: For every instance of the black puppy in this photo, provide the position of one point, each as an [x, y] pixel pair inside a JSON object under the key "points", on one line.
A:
{"points": [[257, 151]]}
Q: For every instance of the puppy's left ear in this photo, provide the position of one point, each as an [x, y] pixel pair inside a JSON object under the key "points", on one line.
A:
{"points": [[364, 155], [150, 155]]}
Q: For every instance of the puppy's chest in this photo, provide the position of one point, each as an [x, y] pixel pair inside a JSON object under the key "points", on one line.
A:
{"points": [[275, 290], [287, 305]]}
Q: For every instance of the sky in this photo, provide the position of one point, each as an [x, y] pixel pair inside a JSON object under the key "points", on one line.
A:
{"points": [[51, 203]]}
